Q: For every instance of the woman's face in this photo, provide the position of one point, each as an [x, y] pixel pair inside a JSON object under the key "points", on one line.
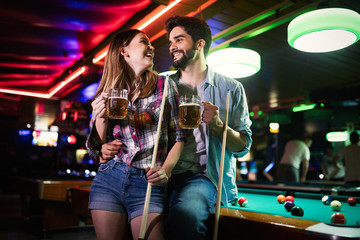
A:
{"points": [[139, 54]]}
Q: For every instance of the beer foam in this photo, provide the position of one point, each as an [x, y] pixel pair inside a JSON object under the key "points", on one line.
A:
{"points": [[189, 104], [118, 97]]}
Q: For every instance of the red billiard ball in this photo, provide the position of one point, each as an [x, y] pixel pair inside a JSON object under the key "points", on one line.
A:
{"points": [[242, 201], [338, 218], [281, 199], [351, 201], [289, 198]]}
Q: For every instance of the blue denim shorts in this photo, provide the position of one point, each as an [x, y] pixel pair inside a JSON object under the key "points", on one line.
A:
{"points": [[119, 187]]}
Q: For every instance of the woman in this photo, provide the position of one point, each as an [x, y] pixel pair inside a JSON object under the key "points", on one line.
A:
{"points": [[118, 191]]}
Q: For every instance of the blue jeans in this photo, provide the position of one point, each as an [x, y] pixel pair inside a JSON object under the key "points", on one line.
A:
{"points": [[119, 187], [192, 198]]}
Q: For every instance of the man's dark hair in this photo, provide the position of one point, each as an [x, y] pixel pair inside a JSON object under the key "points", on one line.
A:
{"points": [[354, 137], [195, 27]]}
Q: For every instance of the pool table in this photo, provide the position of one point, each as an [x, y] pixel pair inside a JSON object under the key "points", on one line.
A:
{"points": [[264, 218], [49, 198]]}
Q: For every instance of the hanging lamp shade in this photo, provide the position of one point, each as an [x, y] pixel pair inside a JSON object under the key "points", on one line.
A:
{"points": [[234, 62], [324, 30]]}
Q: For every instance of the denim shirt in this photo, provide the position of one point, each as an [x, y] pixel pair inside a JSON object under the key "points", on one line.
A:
{"points": [[215, 91]]}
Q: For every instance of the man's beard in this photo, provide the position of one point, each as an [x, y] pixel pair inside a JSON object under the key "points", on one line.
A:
{"points": [[185, 59]]}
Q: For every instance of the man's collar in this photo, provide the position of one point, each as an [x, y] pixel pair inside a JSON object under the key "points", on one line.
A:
{"points": [[209, 76]]}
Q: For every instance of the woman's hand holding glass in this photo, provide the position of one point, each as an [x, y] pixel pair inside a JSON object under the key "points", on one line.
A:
{"points": [[99, 106]]}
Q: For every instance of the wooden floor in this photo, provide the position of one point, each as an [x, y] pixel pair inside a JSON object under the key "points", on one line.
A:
{"points": [[13, 226]]}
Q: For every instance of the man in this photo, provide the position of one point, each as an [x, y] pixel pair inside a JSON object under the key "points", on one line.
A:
{"points": [[296, 152], [193, 184], [351, 155]]}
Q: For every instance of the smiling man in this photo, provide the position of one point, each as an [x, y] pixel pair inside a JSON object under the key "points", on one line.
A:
{"points": [[192, 187]]}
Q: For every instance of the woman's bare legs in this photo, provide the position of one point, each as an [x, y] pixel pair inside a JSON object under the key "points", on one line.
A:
{"points": [[154, 227], [110, 225]]}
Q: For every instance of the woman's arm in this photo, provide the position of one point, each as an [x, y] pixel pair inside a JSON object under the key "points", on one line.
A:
{"points": [[161, 174]]}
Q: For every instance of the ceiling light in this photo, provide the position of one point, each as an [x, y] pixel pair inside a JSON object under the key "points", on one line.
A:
{"points": [[234, 62], [303, 107], [324, 30], [337, 136]]}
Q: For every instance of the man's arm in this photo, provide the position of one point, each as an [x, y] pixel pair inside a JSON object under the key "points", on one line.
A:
{"points": [[305, 168], [235, 141]]}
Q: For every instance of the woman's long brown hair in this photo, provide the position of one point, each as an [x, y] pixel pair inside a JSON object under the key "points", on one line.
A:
{"points": [[117, 73]]}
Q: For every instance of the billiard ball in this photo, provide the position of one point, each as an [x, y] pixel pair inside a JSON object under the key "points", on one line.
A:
{"points": [[338, 218], [351, 201], [289, 198], [242, 201], [326, 200], [335, 205], [281, 199], [289, 205], [297, 211]]}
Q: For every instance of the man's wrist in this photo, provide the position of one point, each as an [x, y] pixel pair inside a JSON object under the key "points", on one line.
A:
{"points": [[218, 128]]}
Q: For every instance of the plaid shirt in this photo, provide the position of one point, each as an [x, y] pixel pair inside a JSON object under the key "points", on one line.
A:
{"points": [[138, 130]]}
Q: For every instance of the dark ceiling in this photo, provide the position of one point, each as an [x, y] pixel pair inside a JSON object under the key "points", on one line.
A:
{"points": [[42, 42]]}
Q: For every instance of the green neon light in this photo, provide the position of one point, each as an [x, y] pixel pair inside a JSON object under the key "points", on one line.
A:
{"points": [[235, 62], [303, 107], [336, 136], [324, 30]]}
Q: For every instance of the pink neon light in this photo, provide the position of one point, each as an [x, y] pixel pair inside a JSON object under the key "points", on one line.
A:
{"points": [[148, 22], [30, 66], [67, 80], [75, 116], [49, 94]]}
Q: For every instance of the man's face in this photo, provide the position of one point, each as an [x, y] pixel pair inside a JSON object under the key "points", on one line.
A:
{"points": [[181, 47]]}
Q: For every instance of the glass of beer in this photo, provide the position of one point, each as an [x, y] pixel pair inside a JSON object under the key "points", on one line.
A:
{"points": [[117, 105], [189, 111]]}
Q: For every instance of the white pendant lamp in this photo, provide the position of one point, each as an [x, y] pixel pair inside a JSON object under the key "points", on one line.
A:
{"points": [[324, 30], [234, 62]]}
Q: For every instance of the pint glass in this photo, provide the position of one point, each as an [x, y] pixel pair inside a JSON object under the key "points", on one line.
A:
{"points": [[117, 103], [189, 111]]}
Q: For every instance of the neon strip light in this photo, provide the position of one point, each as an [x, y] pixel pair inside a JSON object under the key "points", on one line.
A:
{"points": [[269, 167], [303, 107], [25, 93], [147, 23], [159, 14], [67, 80], [102, 54], [49, 94]]}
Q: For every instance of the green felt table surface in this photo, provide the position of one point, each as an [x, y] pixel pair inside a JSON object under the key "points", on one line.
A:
{"points": [[264, 201]]}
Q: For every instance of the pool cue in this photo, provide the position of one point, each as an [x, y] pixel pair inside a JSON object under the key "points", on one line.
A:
{"points": [[221, 171], [148, 190]]}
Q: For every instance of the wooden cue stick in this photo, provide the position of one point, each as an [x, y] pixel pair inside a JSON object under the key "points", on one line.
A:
{"points": [[221, 171], [148, 190]]}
